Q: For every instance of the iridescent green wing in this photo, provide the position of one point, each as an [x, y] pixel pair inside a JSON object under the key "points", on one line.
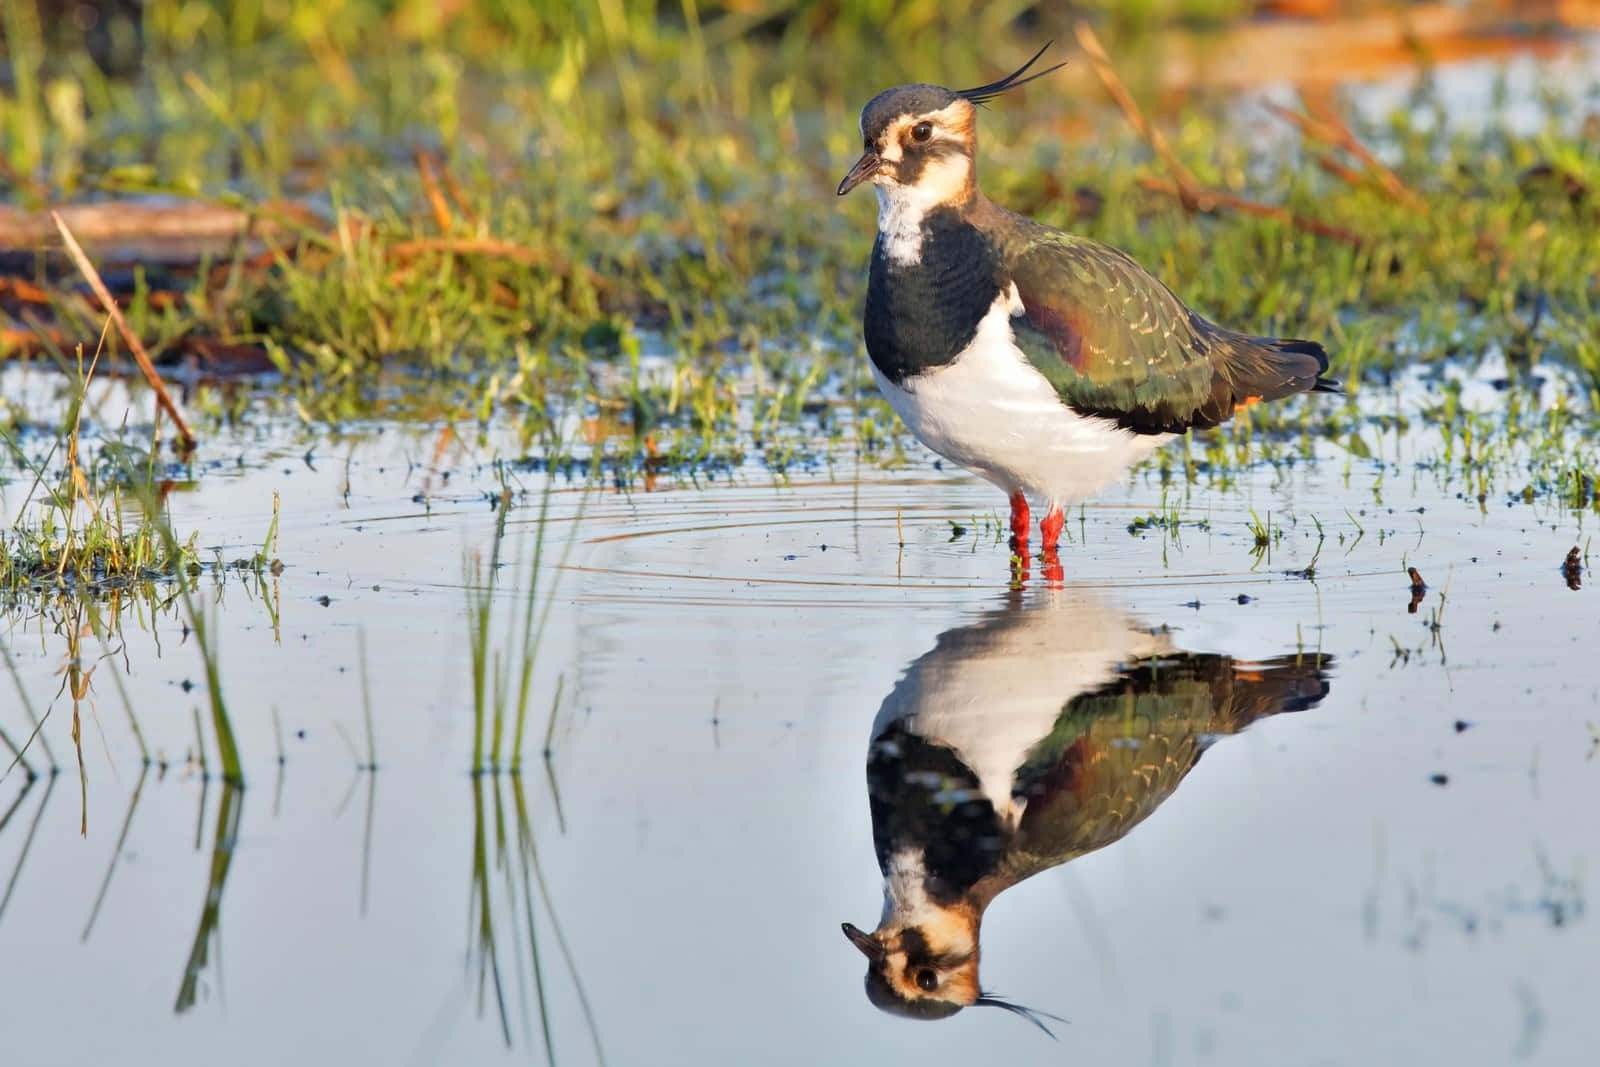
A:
{"points": [[1116, 753], [1116, 342]]}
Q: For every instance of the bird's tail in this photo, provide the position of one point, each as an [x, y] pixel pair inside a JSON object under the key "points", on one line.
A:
{"points": [[1255, 369], [1320, 383]]}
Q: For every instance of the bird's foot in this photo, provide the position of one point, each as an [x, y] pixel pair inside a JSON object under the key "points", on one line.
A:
{"points": [[1020, 523], [1050, 528]]}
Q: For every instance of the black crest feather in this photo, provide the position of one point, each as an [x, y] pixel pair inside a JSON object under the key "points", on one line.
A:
{"points": [[984, 93], [989, 1000]]}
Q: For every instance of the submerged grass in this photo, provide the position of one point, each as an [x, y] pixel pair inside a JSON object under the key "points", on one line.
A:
{"points": [[79, 525]]}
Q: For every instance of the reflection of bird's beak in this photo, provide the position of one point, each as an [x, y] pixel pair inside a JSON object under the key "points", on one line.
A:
{"points": [[865, 168], [870, 946]]}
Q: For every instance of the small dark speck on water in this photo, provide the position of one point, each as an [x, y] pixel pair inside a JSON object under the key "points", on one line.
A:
{"points": [[790, 556], [1462, 725], [1195, 604], [824, 548], [324, 600], [1440, 779], [300, 735], [1245, 598], [186, 685]]}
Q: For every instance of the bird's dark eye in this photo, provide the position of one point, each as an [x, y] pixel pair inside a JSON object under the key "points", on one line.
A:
{"points": [[927, 979], [922, 131]]}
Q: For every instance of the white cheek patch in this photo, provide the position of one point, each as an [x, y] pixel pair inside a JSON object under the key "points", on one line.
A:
{"points": [[945, 178], [901, 208]]}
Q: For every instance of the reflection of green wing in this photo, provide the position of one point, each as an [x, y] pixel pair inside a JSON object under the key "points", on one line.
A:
{"points": [[1118, 752], [1114, 341]]}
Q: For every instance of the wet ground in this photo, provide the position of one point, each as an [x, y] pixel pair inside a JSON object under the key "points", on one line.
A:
{"points": [[1382, 856]]}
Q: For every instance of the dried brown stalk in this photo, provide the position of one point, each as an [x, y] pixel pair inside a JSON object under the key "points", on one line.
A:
{"points": [[1322, 107], [1183, 184], [92, 276], [430, 189], [1214, 199], [1325, 125], [1188, 188]]}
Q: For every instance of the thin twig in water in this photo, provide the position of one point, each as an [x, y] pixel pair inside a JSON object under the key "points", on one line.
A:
{"points": [[92, 276]]}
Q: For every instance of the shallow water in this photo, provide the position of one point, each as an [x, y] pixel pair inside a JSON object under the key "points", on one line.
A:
{"points": [[1389, 871]]}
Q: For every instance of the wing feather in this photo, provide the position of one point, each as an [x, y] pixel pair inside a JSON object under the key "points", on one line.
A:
{"points": [[1115, 342]]}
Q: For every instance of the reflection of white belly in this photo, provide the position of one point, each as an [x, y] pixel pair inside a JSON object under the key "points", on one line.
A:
{"points": [[993, 413], [992, 690]]}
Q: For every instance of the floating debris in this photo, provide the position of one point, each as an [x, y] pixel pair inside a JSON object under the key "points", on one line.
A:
{"points": [[1419, 588], [1572, 569]]}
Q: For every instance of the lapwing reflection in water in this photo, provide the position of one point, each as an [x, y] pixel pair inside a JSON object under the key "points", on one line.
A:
{"points": [[1035, 735]]}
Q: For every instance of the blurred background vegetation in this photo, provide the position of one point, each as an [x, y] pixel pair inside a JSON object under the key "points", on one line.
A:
{"points": [[550, 189]]}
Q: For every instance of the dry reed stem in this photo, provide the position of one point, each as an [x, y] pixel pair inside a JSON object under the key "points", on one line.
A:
{"points": [[430, 189], [1190, 193], [1245, 206], [1327, 126], [92, 276], [1188, 188]]}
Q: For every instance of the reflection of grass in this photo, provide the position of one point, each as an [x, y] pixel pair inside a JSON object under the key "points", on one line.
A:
{"points": [[508, 886], [502, 676], [116, 852], [507, 881], [33, 828], [222, 846]]}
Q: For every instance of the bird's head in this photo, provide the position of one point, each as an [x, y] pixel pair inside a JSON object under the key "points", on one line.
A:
{"points": [[930, 970], [919, 141], [923, 971]]}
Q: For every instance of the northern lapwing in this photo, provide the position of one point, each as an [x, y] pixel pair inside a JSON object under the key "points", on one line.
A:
{"points": [[1020, 742], [1043, 361]]}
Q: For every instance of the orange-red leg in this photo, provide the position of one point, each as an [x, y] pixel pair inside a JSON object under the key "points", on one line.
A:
{"points": [[1020, 523], [1050, 526]]}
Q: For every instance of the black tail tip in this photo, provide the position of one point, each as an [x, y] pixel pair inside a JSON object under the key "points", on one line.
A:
{"points": [[1316, 352], [1304, 348]]}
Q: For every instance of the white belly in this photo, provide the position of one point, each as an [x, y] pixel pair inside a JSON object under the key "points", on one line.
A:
{"points": [[991, 412]]}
